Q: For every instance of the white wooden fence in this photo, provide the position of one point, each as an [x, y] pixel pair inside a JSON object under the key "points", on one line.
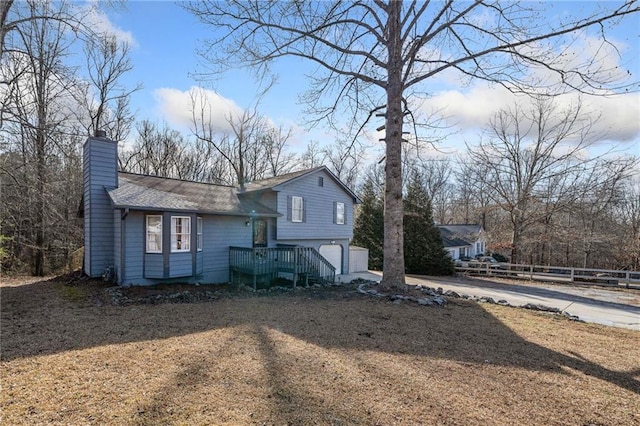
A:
{"points": [[604, 277]]}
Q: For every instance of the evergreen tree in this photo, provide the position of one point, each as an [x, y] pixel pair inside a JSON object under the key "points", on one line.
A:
{"points": [[368, 230], [424, 251]]}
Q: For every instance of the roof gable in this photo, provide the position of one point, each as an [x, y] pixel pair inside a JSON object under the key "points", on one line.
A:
{"points": [[277, 182], [460, 235]]}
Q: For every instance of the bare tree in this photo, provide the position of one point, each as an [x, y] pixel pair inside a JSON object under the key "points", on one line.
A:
{"points": [[312, 156], [37, 122], [40, 86], [18, 18], [628, 213], [237, 146], [275, 144], [156, 151], [106, 101], [346, 163], [251, 148], [376, 54], [4, 24], [525, 150], [599, 191]]}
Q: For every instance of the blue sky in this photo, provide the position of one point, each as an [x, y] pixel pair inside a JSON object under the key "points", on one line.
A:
{"points": [[165, 37]]}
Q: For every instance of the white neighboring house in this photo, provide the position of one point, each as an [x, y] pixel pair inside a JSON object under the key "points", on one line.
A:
{"points": [[463, 240]]}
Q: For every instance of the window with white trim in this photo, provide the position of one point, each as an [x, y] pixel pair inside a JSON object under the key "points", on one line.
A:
{"points": [[199, 230], [297, 209], [340, 213], [180, 233], [154, 234]]}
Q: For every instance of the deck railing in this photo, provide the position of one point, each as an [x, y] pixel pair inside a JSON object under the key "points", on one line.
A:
{"points": [[265, 265]]}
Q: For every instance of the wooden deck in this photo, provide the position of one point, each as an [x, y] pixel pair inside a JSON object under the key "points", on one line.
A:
{"points": [[263, 266]]}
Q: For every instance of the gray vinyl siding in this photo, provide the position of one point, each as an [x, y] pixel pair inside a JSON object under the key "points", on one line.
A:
{"points": [[269, 199], [319, 209], [199, 263], [117, 240], [211, 264], [134, 248], [99, 172], [220, 232], [153, 265], [180, 265]]}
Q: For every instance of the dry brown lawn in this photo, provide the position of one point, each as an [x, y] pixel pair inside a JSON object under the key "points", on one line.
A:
{"points": [[312, 357]]}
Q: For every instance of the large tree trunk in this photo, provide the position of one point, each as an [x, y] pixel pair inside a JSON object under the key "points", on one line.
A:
{"points": [[516, 241], [38, 269], [393, 263]]}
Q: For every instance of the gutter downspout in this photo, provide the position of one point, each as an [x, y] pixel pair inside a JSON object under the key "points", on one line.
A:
{"points": [[123, 216]]}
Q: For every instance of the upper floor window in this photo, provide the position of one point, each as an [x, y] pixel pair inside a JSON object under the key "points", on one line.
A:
{"points": [[339, 218], [320, 181], [199, 231], [180, 233], [154, 234], [297, 209]]}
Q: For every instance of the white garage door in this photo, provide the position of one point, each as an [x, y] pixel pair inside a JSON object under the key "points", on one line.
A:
{"points": [[333, 254]]}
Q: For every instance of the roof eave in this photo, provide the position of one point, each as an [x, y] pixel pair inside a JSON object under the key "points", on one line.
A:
{"points": [[202, 212]]}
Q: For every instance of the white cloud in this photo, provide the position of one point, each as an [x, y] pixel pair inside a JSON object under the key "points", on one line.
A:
{"points": [[620, 116], [594, 57], [98, 21], [617, 117], [177, 107]]}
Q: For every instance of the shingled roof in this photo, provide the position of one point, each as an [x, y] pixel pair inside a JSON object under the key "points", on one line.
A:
{"points": [[274, 181], [164, 194], [459, 235]]}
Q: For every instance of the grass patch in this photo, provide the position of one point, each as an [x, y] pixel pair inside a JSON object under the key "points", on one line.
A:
{"points": [[72, 293], [307, 358]]}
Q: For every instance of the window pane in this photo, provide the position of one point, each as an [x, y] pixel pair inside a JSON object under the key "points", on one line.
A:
{"points": [[297, 209], [260, 233], [340, 213], [154, 234], [180, 233]]}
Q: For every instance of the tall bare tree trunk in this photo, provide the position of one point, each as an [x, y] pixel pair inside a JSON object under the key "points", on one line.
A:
{"points": [[41, 71], [40, 204], [393, 262]]}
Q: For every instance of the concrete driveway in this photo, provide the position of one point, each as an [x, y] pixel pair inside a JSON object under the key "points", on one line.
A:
{"points": [[598, 305]]}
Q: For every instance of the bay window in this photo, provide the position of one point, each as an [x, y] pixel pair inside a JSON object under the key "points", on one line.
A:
{"points": [[180, 233], [154, 234]]}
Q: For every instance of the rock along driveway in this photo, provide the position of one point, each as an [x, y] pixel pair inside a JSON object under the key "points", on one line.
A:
{"points": [[597, 305]]}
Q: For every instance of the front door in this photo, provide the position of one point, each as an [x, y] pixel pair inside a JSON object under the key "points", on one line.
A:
{"points": [[259, 232]]}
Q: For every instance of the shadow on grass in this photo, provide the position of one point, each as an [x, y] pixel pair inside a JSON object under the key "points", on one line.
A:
{"points": [[37, 319]]}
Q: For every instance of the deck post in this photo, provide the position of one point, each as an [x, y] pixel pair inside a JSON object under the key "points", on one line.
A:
{"points": [[627, 279], [296, 265]]}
